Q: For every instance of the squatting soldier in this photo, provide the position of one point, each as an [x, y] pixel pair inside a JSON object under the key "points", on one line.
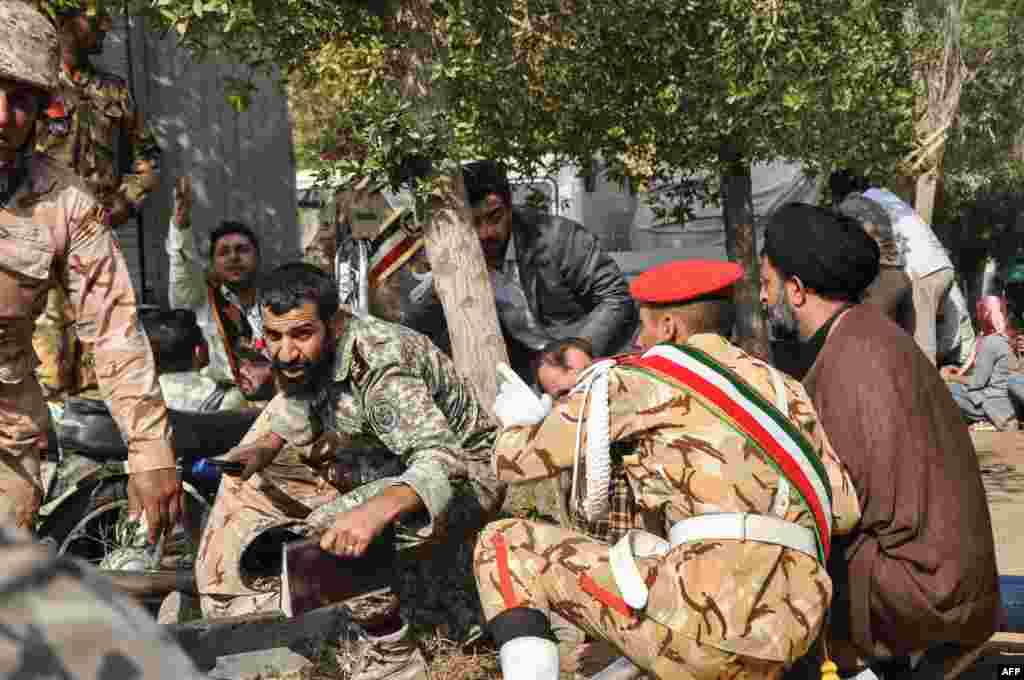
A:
{"points": [[51, 233], [735, 584], [93, 127], [374, 389]]}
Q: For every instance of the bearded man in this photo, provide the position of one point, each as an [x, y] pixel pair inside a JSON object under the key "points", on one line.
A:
{"points": [[916, 581], [358, 396]]}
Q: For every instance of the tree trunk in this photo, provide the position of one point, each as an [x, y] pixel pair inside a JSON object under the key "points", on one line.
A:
{"points": [[924, 197], [464, 287], [453, 249], [741, 247]]}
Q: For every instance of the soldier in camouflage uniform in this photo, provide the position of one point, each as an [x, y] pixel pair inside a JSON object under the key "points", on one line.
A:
{"points": [[360, 397], [51, 234], [93, 127], [740, 589], [58, 619]]}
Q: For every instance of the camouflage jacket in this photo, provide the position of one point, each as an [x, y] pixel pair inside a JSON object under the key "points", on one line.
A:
{"points": [[61, 620], [50, 235], [93, 127], [393, 389], [755, 599]]}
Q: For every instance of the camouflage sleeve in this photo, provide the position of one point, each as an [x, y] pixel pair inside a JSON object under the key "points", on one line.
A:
{"points": [[524, 454], [58, 618], [143, 173], [186, 287], [402, 413], [291, 420], [105, 312]]}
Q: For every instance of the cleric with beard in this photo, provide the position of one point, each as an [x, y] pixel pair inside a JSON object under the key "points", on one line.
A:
{"points": [[916, 587], [822, 251]]}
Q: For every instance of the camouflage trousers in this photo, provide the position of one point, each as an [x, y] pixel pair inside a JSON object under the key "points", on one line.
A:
{"points": [[519, 563], [23, 421], [58, 619], [290, 494]]}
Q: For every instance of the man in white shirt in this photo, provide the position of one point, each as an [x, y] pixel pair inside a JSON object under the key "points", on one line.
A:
{"points": [[223, 297], [927, 263]]}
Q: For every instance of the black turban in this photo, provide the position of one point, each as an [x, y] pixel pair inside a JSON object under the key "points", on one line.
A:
{"points": [[829, 252]]}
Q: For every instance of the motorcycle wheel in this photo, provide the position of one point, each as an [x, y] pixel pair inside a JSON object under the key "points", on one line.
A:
{"points": [[84, 527]]}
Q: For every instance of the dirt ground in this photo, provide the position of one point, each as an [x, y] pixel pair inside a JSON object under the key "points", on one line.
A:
{"points": [[1001, 455]]}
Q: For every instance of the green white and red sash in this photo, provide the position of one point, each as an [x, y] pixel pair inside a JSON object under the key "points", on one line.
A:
{"points": [[391, 249], [743, 407]]}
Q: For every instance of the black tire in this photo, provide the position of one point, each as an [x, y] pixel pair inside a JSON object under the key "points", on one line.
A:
{"points": [[83, 526]]}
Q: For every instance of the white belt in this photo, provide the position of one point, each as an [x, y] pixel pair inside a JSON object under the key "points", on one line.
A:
{"points": [[736, 526]]}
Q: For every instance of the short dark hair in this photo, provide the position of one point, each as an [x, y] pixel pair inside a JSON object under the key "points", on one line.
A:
{"points": [[844, 182], [553, 353], [292, 285], [713, 314], [174, 336], [483, 178], [228, 227]]}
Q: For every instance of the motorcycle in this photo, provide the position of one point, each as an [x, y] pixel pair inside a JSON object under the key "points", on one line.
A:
{"points": [[85, 481]]}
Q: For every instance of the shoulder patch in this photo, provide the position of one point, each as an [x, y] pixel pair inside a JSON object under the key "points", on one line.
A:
{"points": [[383, 415]]}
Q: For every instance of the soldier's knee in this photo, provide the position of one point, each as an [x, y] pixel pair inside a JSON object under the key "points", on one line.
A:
{"points": [[485, 541]]}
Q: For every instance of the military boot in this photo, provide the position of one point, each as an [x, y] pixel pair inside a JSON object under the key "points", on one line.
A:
{"points": [[385, 657]]}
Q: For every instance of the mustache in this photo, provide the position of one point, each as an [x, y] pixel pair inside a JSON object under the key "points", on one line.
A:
{"points": [[291, 365]]}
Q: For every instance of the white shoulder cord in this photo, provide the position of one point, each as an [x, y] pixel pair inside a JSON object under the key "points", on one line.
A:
{"points": [[780, 505], [594, 383], [362, 307]]}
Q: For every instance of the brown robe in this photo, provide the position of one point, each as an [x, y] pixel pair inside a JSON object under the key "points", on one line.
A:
{"points": [[921, 565]]}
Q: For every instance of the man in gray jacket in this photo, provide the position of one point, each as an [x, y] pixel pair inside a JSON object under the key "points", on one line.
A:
{"points": [[551, 278]]}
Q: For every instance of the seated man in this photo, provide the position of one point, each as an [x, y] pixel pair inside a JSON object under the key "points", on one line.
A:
{"points": [[981, 387], [551, 277], [384, 397], [180, 352], [918, 575], [681, 604], [224, 299]]}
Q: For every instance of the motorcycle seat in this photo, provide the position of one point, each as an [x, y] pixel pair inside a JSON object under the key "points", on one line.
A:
{"points": [[87, 428]]}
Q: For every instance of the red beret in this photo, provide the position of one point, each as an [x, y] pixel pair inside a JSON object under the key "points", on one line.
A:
{"points": [[684, 280]]}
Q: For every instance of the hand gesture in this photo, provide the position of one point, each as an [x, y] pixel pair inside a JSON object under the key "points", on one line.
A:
{"points": [[255, 456], [353, 531], [183, 202]]}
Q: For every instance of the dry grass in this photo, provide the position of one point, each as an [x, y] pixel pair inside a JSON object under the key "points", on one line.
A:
{"points": [[446, 660]]}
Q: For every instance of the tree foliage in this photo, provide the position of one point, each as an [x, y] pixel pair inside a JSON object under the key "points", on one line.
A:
{"points": [[655, 87]]}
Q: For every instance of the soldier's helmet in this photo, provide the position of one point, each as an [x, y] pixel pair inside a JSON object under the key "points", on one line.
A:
{"points": [[30, 52]]}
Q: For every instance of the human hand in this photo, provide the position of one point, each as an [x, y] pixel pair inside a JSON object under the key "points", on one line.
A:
{"points": [[255, 456], [354, 530], [157, 493], [949, 372], [183, 202], [516, 404], [253, 377]]}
